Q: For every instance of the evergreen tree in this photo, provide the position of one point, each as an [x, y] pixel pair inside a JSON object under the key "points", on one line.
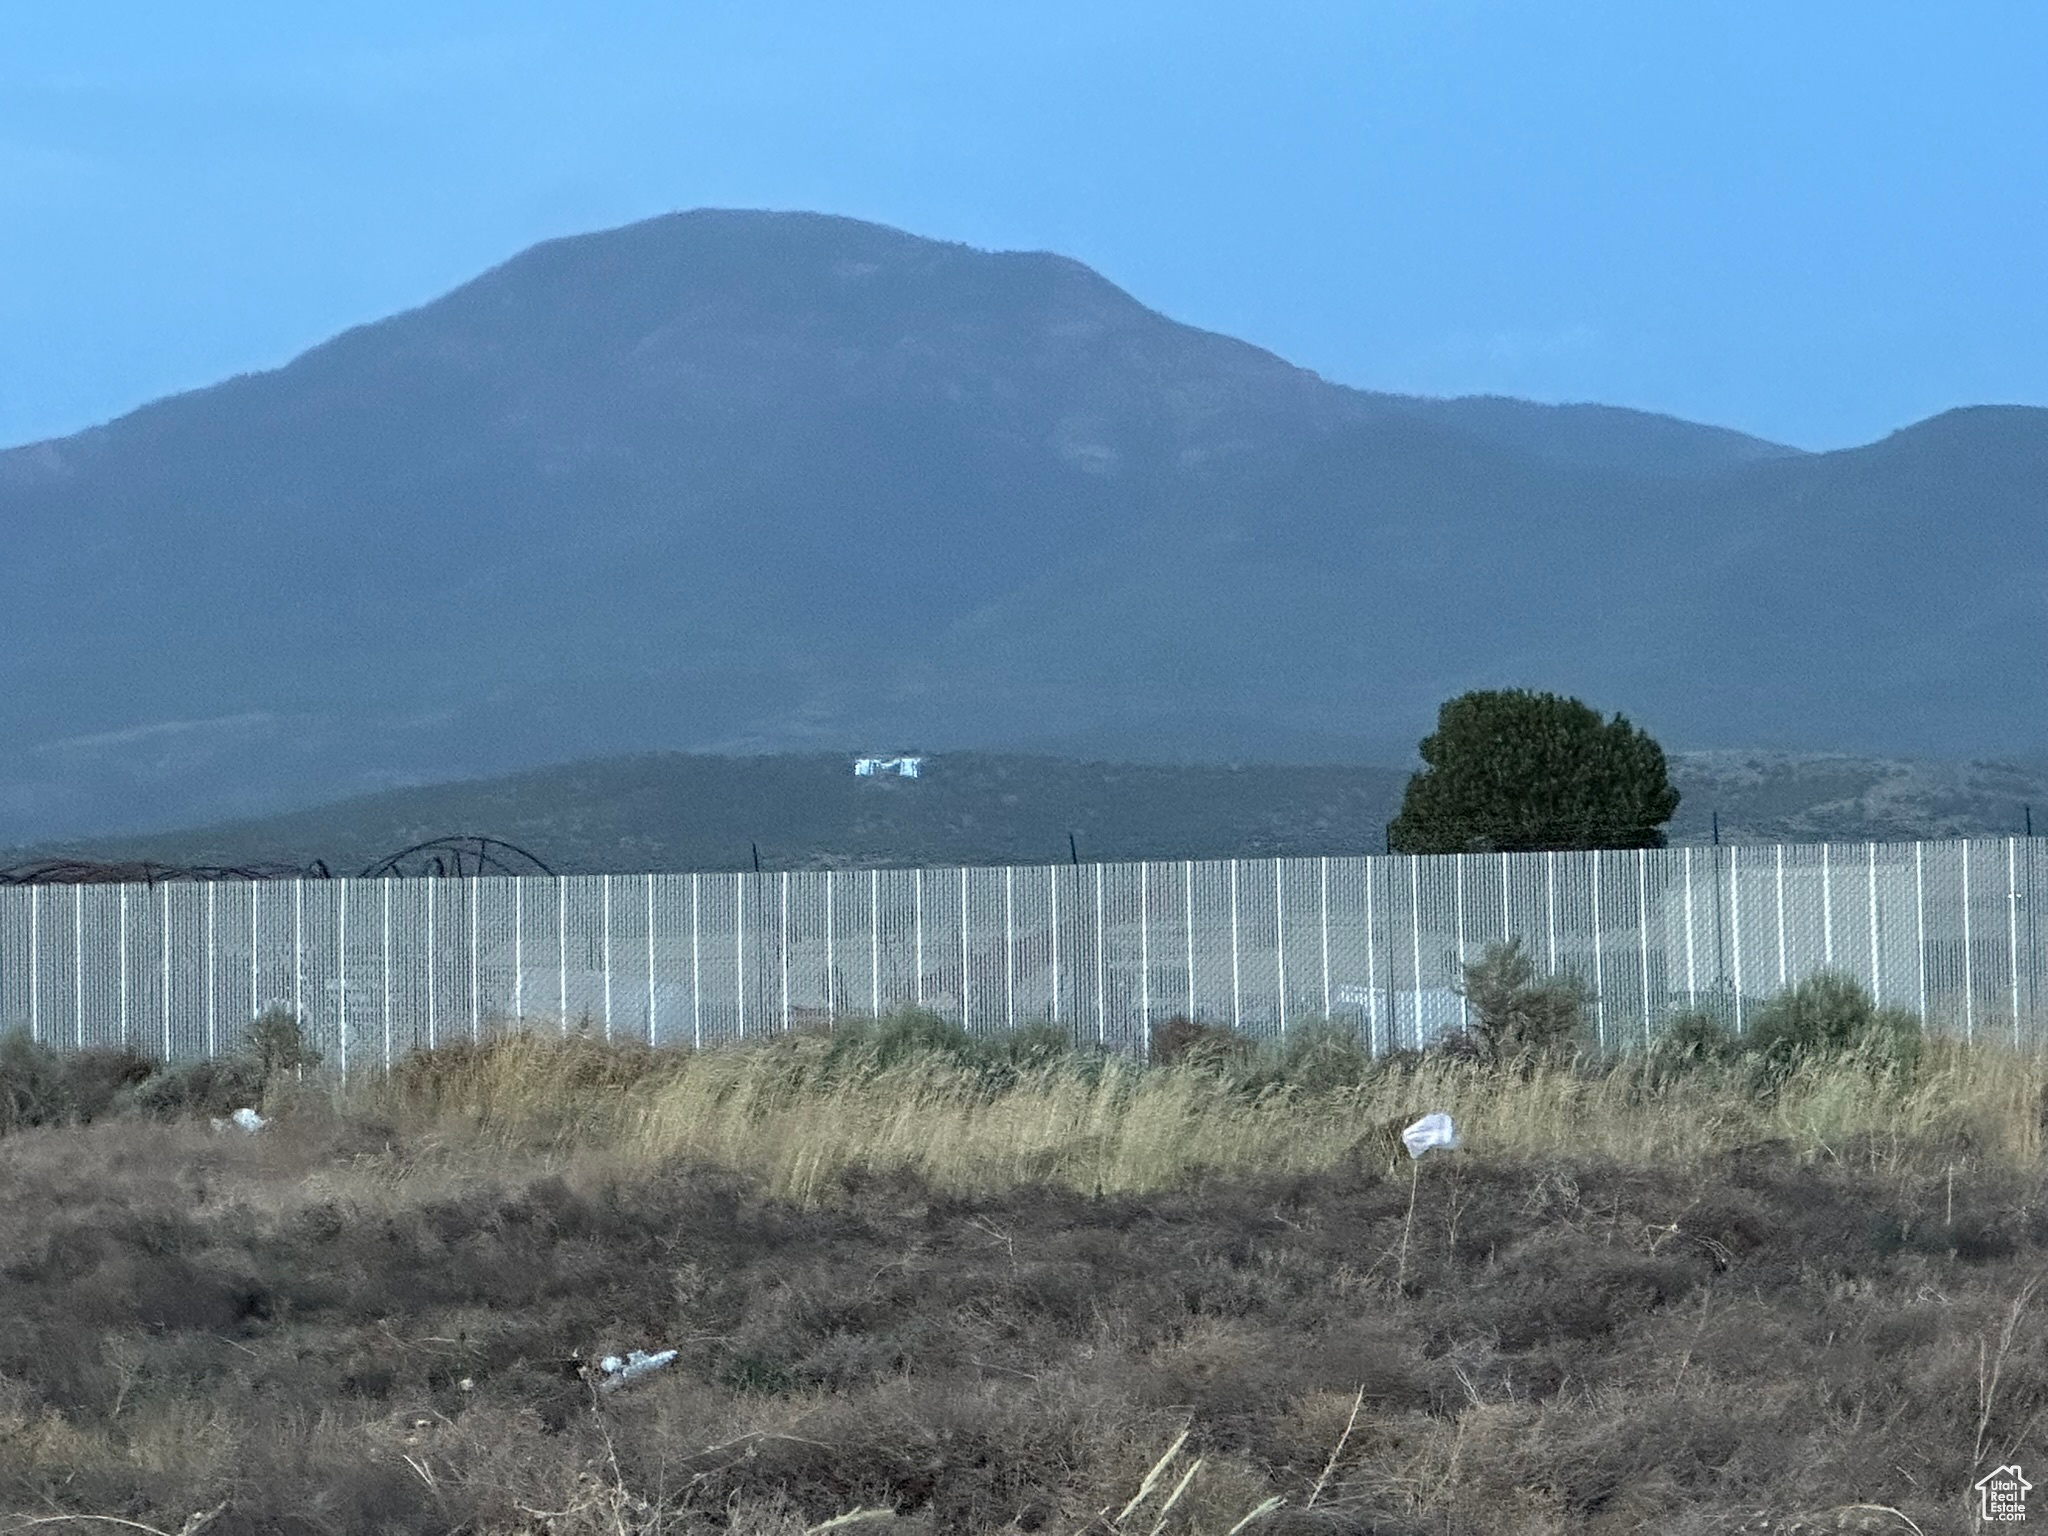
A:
{"points": [[1515, 771]]}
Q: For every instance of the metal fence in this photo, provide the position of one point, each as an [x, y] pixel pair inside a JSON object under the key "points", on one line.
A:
{"points": [[376, 967]]}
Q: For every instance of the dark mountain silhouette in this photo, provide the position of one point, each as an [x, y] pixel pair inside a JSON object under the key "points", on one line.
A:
{"points": [[751, 482]]}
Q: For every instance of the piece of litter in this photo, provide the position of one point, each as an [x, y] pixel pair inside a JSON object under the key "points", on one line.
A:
{"points": [[1432, 1130], [242, 1120], [619, 1373]]}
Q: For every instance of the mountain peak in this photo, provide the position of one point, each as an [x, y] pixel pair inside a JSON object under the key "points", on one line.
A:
{"points": [[806, 482]]}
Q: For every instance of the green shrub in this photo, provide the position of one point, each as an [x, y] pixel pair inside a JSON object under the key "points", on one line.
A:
{"points": [[277, 1041], [1694, 1036], [215, 1087], [1001, 1057], [1830, 1017], [1457, 1045], [101, 1075], [1516, 1017], [32, 1086], [908, 1035], [1181, 1039], [1032, 1044], [40, 1085], [1323, 1054]]}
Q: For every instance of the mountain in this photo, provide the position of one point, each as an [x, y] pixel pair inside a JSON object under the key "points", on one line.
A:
{"points": [[673, 811], [751, 483]]}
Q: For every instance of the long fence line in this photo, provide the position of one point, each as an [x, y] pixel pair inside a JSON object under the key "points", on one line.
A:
{"points": [[374, 968]]}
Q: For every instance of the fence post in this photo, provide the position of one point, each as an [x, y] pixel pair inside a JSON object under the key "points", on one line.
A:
{"points": [[78, 964], [605, 957], [650, 960], [126, 1039], [1599, 980], [875, 943], [2033, 938], [1920, 925], [1372, 980], [1507, 921], [1827, 908], [1969, 977], [562, 953], [1550, 907], [1876, 960], [1052, 880], [1720, 928], [785, 951], [518, 953], [831, 962], [341, 968], [1324, 906], [1145, 958], [917, 982], [1692, 994], [1458, 896], [299, 951], [1187, 887], [696, 972], [1010, 945], [966, 1008], [433, 970], [1280, 942], [1415, 938], [739, 952], [1643, 930], [255, 896], [1735, 918], [1781, 917], [163, 941], [212, 1008], [2012, 907], [475, 961], [1236, 1008], [386, 883], [1100, 945], [35, 990]]}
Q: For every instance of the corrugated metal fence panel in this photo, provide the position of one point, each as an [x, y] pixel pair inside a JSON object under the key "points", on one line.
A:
{"points": [[20, 935], [1951, 931]]}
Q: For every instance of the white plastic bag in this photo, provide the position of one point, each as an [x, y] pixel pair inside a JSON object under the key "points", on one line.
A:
{"points": [[619, 1373], [1432, 1130]]}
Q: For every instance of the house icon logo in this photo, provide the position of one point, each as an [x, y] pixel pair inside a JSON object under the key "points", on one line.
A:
{"points": [[2002, 1496]]}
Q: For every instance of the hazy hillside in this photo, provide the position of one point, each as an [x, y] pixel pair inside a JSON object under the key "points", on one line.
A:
{"points": [[1600, 436], [749, 483], [676, 812]]}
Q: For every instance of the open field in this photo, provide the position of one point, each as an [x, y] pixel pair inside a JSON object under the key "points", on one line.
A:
{"points": [[986, 1289]]}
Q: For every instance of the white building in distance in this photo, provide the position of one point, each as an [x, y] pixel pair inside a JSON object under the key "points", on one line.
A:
{"points": [[868, 767]]}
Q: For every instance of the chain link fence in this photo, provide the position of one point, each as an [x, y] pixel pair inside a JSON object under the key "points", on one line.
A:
{"points": [[375, 968]]}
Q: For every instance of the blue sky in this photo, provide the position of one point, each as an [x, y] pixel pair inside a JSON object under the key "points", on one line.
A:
{"points": [[1817, 222]]}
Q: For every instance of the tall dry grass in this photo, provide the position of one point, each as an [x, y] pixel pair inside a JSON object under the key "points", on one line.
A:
{"points": [[802, 1114]]}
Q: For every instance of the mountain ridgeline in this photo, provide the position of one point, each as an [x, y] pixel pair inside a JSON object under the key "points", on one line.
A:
{"points": [[675, 811], [749, 483]]}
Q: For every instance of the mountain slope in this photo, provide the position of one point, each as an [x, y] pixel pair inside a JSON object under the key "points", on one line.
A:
{"points": [[767, 482], [670, 811]]}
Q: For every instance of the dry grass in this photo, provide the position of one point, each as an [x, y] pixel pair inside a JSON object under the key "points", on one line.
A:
{"points": [[961, 1289], [779, 1112]]}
